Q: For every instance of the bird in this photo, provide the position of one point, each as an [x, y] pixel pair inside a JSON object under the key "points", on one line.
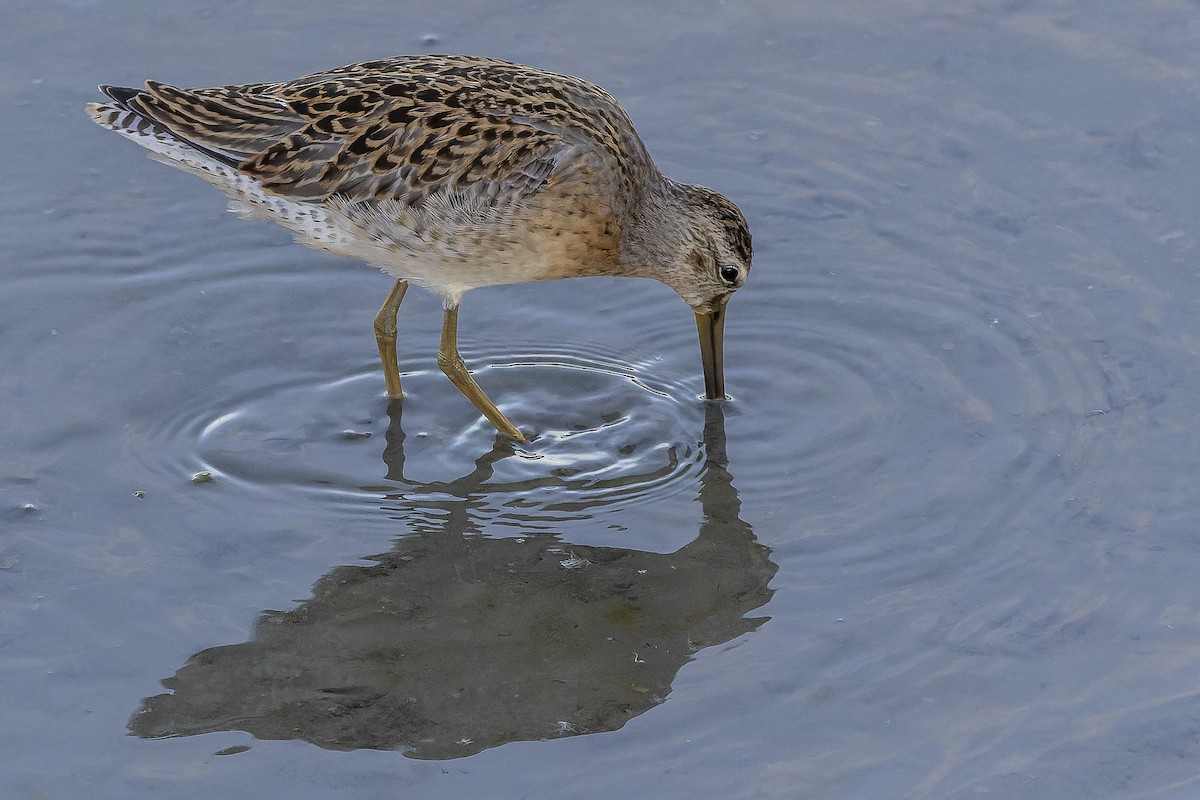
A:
{"points": [[451, 172]]}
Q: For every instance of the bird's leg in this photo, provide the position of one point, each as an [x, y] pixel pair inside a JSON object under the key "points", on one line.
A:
{"points": [[385, 337], [452, 364]]}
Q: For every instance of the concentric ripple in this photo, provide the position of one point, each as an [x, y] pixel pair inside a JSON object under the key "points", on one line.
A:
{"points": [[921, 409], [604, 435]]}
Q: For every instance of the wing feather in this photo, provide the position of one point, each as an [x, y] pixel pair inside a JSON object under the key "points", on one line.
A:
{"points": [[397, 130]]}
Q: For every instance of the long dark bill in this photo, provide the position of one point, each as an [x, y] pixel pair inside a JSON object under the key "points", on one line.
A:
{"points": [[711, 326]]}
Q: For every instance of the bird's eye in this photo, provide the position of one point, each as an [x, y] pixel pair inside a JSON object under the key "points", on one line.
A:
{"points": [[730, 275]]}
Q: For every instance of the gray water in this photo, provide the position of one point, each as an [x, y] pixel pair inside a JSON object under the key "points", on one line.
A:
{"points": [[941, 543]]}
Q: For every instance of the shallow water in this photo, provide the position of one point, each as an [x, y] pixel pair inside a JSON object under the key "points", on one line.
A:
{"points": [[941, 543]]}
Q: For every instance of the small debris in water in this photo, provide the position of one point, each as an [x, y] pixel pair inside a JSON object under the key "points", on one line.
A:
{"points": [[202, 477], [351, 436], [232, 751], [139, 494], [574, 562]]}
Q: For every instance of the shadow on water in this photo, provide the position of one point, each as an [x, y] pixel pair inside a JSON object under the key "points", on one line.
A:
{"points": [[453, 642]]}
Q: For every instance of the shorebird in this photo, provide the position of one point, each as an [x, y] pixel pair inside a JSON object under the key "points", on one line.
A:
{"points": [[451, 172]]}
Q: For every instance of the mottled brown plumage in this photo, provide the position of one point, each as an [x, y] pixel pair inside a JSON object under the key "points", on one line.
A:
{"points": [[453, 172]]}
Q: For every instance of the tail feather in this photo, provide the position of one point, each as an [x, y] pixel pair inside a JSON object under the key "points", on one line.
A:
{"points": [[122, 116], [131, 115], [166, 125], [231, 124], [118, 118], [121, 95]]}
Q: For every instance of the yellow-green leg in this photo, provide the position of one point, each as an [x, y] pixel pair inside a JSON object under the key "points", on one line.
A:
{"points": [[452, 364], [385, 337]]}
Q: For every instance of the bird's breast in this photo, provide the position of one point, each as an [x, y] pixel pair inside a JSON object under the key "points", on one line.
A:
{"points": [[453, 242]]}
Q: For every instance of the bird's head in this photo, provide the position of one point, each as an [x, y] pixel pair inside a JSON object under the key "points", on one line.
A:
{"points": [[712, 261]]}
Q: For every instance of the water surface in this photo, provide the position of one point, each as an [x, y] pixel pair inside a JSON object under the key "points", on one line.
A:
{"points": [[940, 543]]}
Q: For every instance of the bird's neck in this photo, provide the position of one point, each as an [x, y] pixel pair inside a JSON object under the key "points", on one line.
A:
{"points": [[659, 230]]}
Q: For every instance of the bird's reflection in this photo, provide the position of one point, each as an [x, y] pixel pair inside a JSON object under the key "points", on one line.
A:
{"points": [[453, 642]]}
